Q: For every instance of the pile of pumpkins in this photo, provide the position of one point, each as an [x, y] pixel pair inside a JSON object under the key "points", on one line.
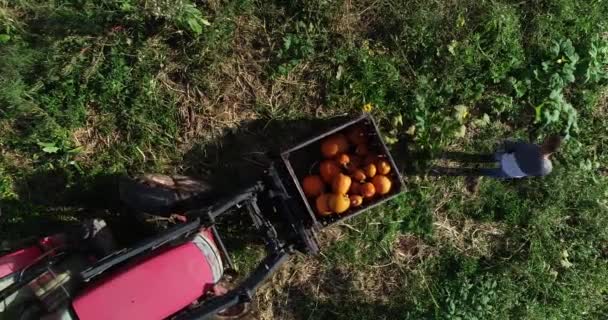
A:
{"points": [[350, 174]]}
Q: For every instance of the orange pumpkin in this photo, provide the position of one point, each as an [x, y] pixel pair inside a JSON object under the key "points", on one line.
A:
{"points": [[355, 200], [341, 183], [382, 184], [313, 186], [343, 160], [338, 203], [322, 204], [328, 169], [383, 167], [358, 175], [367, 190], [370, 170], [334, 145]]}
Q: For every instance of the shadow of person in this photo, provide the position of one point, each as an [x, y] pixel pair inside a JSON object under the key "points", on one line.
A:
{"points": [[409, 160]]}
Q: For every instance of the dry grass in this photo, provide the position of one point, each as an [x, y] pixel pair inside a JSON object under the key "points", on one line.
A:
{"points": [[305, 283], [410, 250], [470, 237], [345, 22], [231, 87], [11, 157], [15, 159], [299, 87], [274, 299], [237, 89], [90, 139], [10, 17], [602, 104]]}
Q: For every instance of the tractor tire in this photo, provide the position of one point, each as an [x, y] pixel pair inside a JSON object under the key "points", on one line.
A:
{"points": [[240, 311]]}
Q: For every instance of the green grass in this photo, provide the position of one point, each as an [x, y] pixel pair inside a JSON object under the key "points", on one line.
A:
{"points": [[89, 90]]}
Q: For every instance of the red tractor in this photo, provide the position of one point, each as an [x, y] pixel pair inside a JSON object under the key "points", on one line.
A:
{"points": [[176, 274]]}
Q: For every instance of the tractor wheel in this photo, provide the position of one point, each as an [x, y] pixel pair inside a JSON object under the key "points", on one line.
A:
{"points": [[310, 243], [240, 311]]}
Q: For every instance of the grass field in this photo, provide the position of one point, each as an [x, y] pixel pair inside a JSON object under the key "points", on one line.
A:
{"points": [[92, 89]]}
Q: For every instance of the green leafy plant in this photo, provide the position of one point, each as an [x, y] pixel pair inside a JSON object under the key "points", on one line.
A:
{"points": [[436, 124], [8, 24], [364, 75], [189, 17], [48, 147], [472, 300], [182, 13], [597, 68], [556, 74], [295, 48]]}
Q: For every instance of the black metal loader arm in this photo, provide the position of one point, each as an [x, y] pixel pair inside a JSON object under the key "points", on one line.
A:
{"points": [[278, 248], [121, 256], [242, 294]]}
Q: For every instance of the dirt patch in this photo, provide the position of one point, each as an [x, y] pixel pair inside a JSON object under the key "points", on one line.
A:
{"points": [[410, 250]]}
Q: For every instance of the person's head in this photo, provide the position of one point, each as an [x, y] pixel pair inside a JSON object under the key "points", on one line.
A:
{"points": [[551, 145]]}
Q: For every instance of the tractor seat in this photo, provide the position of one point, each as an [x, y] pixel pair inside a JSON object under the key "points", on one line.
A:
{"points": [[154, 288]]}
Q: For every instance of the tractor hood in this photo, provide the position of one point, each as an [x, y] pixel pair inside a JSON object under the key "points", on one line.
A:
{"points": [[156, 287]]}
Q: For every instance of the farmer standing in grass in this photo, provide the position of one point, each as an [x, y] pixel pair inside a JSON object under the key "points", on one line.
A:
{"points": [[518, 159]]}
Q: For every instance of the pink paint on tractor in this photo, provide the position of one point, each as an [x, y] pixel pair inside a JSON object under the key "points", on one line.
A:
{"points": [[22, 258], [156, 287], [18, 260]]}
